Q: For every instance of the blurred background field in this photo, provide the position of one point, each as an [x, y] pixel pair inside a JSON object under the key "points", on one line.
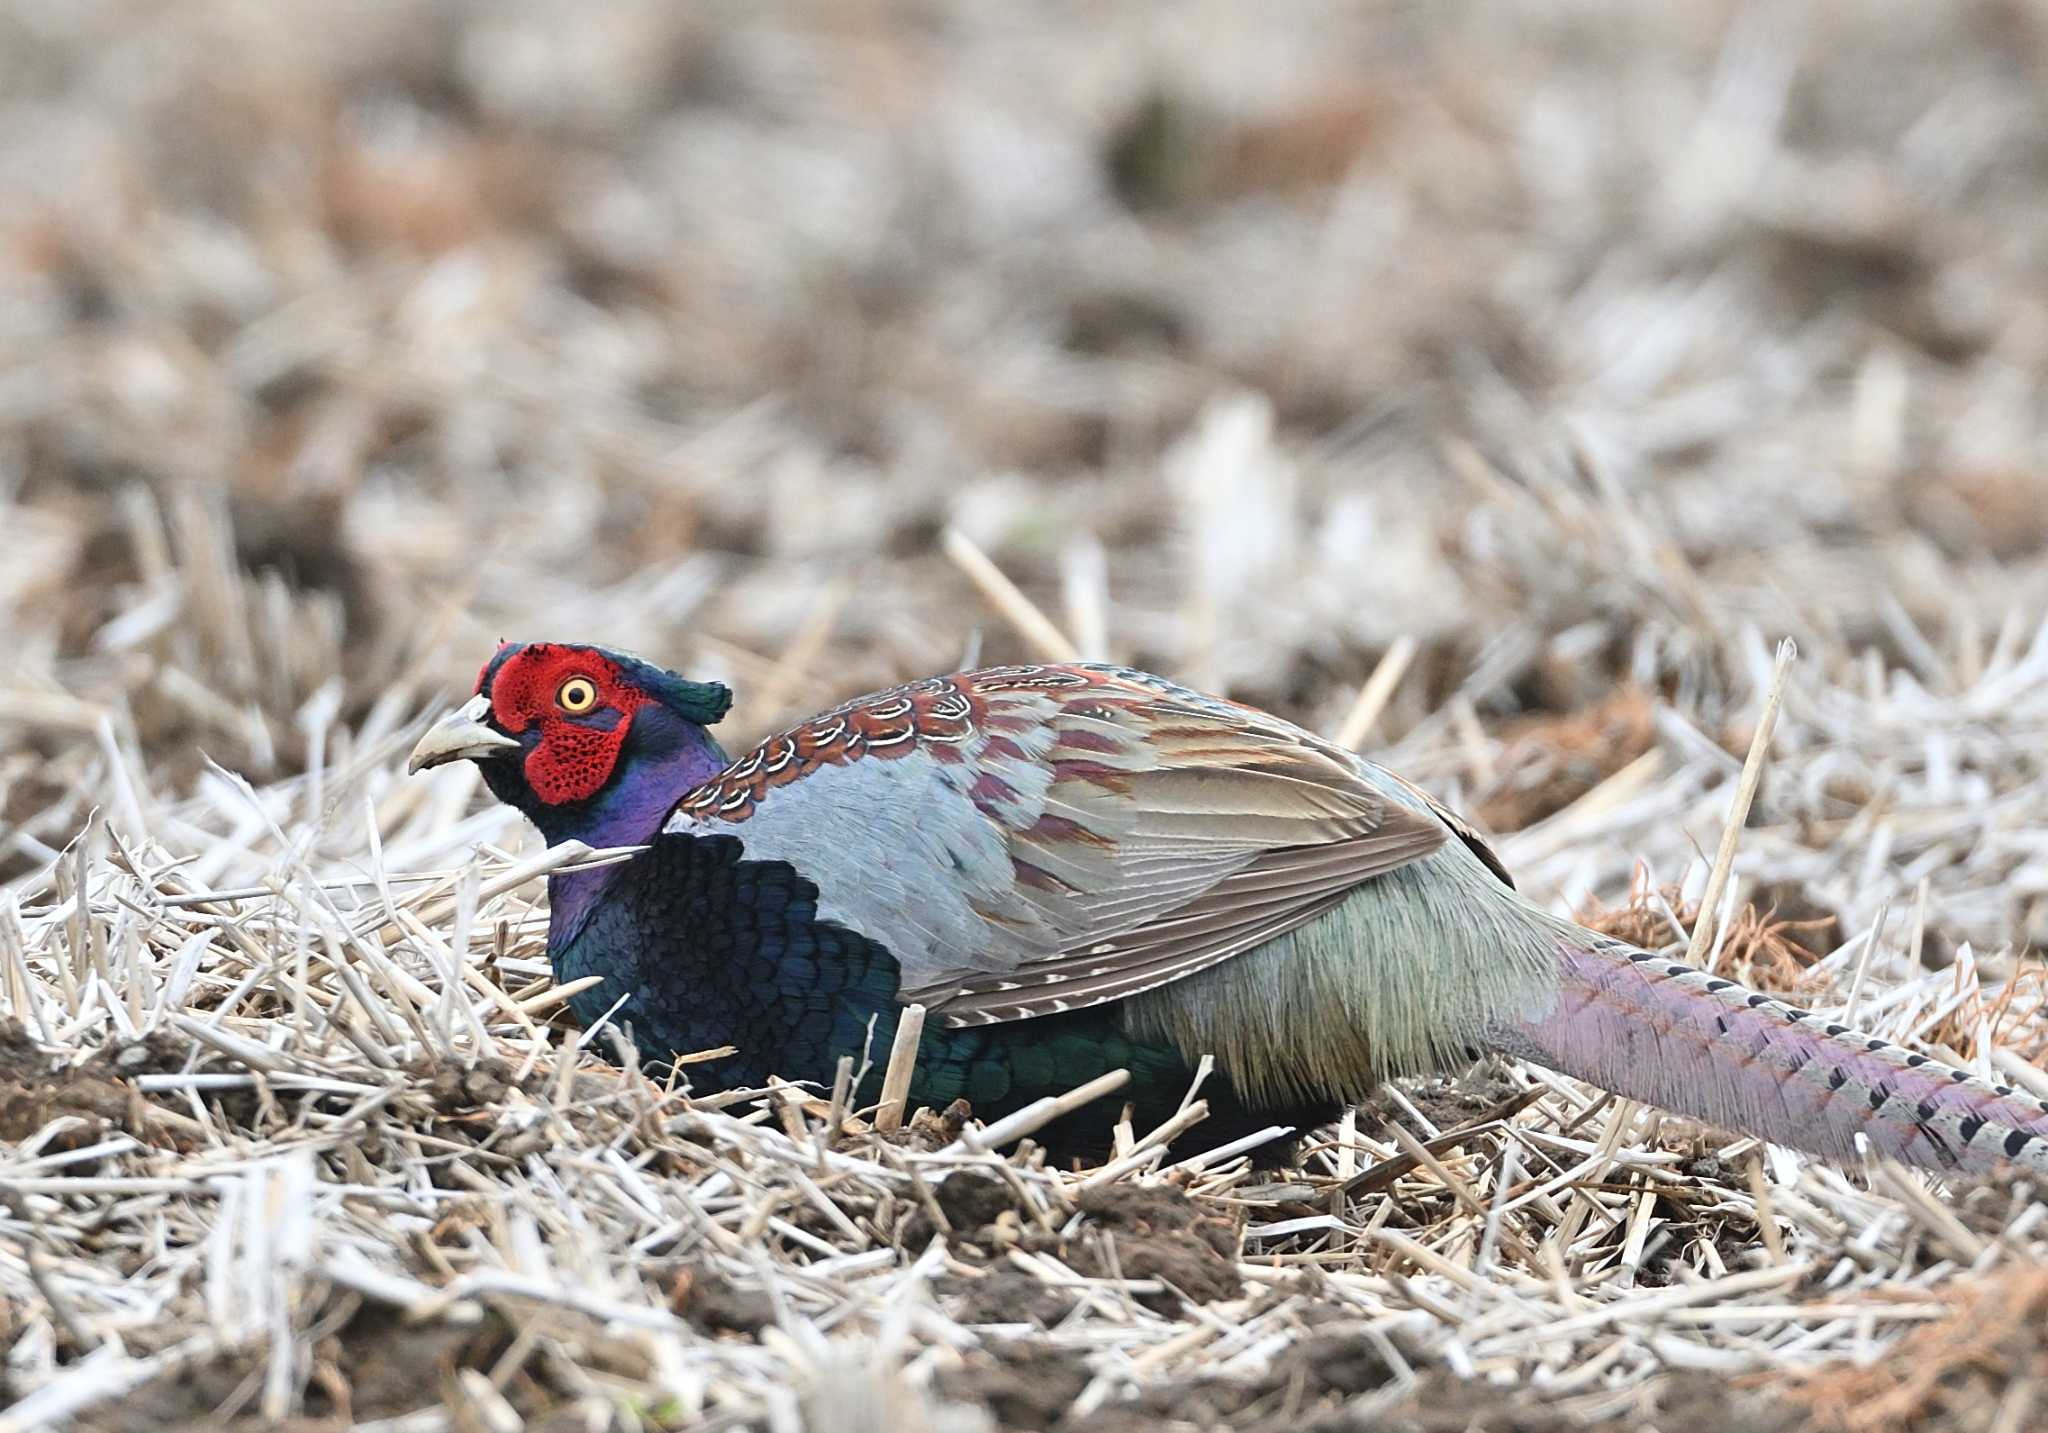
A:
{"points": [[1550, 361]]}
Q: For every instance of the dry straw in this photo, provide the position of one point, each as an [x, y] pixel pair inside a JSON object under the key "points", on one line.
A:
{"points": [[1419, 378], [320, 1074]]}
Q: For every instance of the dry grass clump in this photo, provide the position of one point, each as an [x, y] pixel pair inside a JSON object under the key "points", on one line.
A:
{"points": [[1982, 1367], [1758, 947], [2004, 1022], [1548, 762]]}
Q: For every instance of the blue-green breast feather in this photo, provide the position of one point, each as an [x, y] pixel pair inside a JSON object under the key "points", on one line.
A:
{"points": [[710, 948]]}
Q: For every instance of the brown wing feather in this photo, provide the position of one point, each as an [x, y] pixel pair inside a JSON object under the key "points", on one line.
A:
{"points": [[1277, 892], [1218, 829]]}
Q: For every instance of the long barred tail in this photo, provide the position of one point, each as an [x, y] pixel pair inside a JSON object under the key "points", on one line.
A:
{"points": [[1650, 1028]]}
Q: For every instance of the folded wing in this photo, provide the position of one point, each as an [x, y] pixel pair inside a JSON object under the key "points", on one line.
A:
{"points": [[1028, 840]]}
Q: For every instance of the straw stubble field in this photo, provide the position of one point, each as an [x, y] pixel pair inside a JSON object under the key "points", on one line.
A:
{"points": [[1492, 386]]}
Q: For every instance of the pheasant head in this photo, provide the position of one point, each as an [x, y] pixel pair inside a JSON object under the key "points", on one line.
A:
{"points": [[590, 744]]}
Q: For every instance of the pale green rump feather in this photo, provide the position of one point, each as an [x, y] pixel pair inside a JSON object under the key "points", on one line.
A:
{"points": [[1406, 975]]}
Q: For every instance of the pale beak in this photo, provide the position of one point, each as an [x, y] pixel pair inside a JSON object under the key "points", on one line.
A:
{"points": [[460, 736]]}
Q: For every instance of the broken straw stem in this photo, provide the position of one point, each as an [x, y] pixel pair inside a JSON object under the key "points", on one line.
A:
{"points": [[1738, 814], [1038, 1114], [1008, 598], [902, 1066]]}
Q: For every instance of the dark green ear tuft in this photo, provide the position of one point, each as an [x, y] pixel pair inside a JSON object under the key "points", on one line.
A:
{"points": [[701, 702]]}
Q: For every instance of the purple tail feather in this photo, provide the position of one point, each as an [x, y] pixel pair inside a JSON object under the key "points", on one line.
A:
{"points": [[1653, 1029]]}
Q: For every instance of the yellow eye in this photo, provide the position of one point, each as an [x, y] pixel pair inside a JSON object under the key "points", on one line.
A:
{"points": [[577, 695]]}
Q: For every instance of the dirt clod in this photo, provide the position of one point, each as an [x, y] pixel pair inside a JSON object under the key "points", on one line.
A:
{"points": [[381, 1367], [36, 1088], [1157, 1232], [1025, 1385], [714, 1304], [973, 1204], [1004, 1296], [455, 1089]]}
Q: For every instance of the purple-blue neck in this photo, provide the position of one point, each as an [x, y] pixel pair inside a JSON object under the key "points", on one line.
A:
{"points": [[665, 757]]}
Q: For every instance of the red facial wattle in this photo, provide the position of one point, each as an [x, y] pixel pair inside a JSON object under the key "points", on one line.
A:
{"points": [[575, 755]]}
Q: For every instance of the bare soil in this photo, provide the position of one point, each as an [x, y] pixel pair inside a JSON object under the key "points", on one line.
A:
{"points": [[1123, 1231], [37, 1088], [374, 1366]]}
